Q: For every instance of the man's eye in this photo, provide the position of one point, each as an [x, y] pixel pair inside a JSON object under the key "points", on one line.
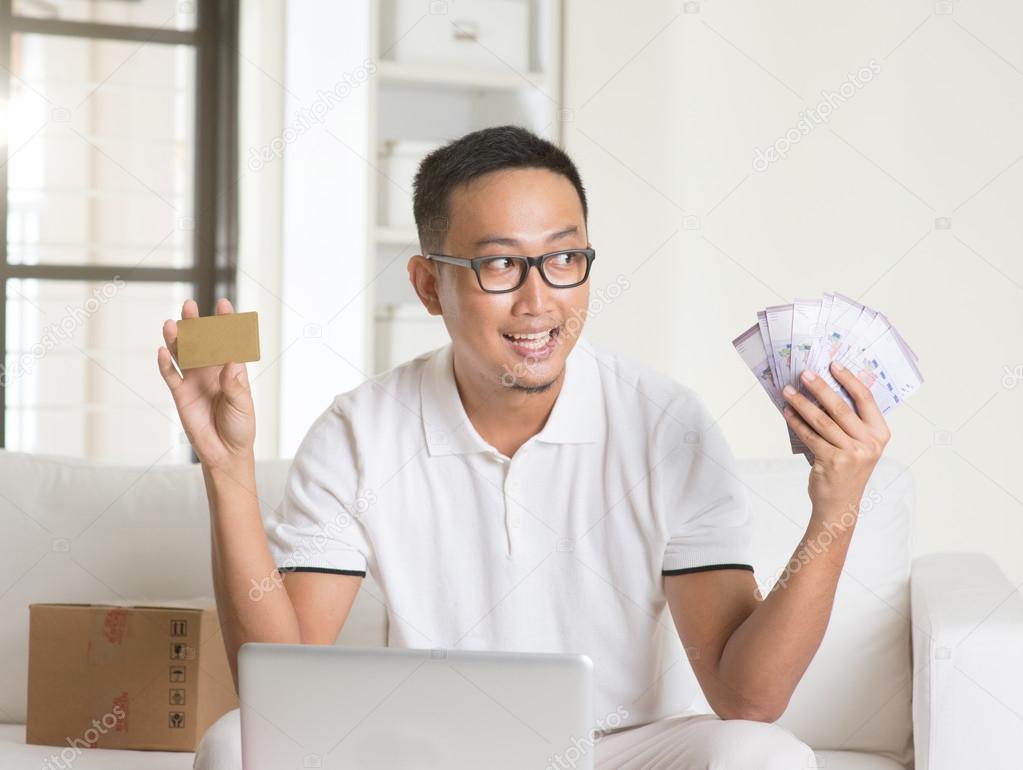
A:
{"points": [[566, 260], [498, 264]]}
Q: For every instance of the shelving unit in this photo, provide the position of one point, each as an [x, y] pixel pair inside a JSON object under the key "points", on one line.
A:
{"points": [[442, 75], [424, 101]]}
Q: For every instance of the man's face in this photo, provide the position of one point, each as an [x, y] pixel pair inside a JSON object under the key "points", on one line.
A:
{"points": [[522, 212]]}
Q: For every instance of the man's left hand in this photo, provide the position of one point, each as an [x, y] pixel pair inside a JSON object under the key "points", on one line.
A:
{"points": [[846, 443]]}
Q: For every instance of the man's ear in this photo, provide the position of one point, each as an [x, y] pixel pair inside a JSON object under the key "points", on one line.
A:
{"points": [[423, 275]]}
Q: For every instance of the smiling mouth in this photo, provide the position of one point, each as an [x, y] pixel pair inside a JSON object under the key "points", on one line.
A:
{"points": [[535, 341]]}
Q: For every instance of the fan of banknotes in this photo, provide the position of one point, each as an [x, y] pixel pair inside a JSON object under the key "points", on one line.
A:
{"points": [[810, 334]]}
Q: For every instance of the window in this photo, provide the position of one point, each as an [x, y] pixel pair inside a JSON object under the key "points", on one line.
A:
{"points": [[117, 202]]}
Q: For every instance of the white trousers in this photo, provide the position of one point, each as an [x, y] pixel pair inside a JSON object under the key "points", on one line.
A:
{"points": [[681, 742]]}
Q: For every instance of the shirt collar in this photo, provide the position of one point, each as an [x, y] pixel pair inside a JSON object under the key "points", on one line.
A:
{"points": [[576, 418]]}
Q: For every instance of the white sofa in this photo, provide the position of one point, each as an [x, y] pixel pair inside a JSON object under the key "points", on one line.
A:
{"points": [[923, 655]]}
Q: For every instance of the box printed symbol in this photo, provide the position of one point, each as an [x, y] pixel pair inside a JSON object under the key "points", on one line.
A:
{"points": [[177, 697], [176, 719], [177, 673], [181, 651], [179, 628]]}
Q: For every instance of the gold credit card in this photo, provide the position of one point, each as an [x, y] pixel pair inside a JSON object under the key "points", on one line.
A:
{"points": [[217, 339]]}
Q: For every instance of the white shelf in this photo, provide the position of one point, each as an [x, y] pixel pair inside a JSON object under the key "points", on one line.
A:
{"points": [[458, 77]]}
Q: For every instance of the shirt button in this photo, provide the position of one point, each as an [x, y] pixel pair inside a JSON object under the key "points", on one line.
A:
{"points": [[514, 485], [514, 520]]}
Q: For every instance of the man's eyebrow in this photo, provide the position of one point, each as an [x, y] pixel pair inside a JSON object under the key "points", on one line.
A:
{"points": [[503, 240]]}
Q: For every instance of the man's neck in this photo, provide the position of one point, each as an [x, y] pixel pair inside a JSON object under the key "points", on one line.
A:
{"points": [[506, 417]]}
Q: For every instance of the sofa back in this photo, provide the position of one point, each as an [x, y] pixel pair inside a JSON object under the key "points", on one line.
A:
{"points": [[75, 531], [856, 693]]}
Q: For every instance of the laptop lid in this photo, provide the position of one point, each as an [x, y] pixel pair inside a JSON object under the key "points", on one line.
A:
{"points": [[331, 707]]}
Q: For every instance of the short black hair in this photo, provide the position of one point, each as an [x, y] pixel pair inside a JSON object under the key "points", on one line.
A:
{"points": [[472, 156]]}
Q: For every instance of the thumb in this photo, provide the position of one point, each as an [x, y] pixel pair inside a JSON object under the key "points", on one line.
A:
{"points": [[235, 384]]}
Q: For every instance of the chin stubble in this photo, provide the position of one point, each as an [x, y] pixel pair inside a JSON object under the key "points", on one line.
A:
{"points": [[533, 388]]}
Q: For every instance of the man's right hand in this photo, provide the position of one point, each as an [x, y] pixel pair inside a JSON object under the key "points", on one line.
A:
{"points": [[213, 402]]}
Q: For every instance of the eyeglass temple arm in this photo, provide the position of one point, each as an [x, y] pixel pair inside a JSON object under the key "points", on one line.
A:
{"points": [[449, 260]]}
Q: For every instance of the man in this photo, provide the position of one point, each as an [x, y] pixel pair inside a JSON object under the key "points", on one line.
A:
{"points": [[522, 489]]}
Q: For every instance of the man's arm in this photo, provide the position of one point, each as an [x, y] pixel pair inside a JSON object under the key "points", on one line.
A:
{"points": [[252, 605], [749, 654]]}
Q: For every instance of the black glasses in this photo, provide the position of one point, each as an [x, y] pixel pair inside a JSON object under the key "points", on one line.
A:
{"points": [[497, 275]]}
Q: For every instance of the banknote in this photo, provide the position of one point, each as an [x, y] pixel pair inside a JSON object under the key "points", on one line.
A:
{"points": [[810, 334]]}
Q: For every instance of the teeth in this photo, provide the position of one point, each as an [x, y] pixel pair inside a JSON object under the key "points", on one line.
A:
{"points": [[537, 336]]}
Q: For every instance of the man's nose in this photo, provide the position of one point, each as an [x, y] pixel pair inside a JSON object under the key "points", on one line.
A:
{"points": [[532, 295]]}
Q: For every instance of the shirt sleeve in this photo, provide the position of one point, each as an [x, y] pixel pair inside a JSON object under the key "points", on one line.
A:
{"points": [[321, 521], [703, 501]]}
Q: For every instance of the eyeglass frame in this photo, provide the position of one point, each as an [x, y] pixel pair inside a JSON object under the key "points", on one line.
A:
{"points": [[475, 263]]}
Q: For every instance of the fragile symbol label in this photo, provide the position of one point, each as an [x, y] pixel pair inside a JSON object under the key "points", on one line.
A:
{"points": [[181, 651]]}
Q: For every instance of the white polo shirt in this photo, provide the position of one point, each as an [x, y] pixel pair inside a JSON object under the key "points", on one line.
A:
{"points": [[560, 548]]}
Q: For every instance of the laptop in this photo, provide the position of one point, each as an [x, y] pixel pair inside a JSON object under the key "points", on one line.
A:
{"points": [[330, 707]]}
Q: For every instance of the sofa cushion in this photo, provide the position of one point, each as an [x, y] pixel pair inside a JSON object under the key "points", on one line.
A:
{"points": [[855, 760], [16, 755], [76, 531]]}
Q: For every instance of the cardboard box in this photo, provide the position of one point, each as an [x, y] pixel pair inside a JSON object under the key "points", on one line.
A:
{"points": [[125, 676]]}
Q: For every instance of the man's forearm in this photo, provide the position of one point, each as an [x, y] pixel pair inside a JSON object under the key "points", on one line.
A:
{"points": [[768, 654], [251, 601]]}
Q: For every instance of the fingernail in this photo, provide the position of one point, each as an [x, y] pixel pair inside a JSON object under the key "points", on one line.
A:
{"points": [[809, 375], [788, 390], [838, 366]]}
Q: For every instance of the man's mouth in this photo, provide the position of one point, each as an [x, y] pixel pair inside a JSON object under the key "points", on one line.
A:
{"points": [[534, 342]]}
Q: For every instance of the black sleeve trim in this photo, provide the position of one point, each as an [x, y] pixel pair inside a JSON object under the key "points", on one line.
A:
{"points": [[328, 570], [708, 568]]}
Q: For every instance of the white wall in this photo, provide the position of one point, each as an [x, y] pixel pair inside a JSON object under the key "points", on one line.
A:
{"points": [[666, 109]]}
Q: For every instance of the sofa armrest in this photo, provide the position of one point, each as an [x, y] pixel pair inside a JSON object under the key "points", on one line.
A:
{"points": [[967, 622]]}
